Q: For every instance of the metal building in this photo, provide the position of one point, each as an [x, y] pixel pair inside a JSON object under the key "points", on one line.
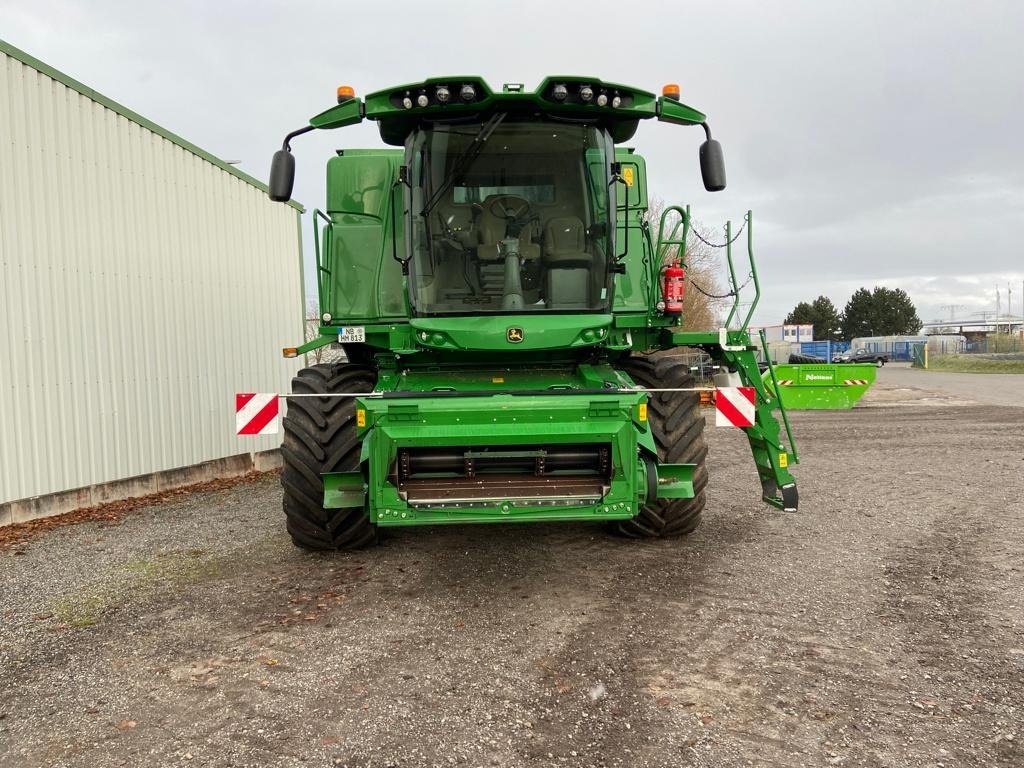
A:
{"points": [[143, 282]]}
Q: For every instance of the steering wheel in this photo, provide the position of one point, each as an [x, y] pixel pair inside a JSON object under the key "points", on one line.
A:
{"points": [[510, 207]]}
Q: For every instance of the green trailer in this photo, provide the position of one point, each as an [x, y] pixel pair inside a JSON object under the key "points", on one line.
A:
{"points": [[509, 315], [820, 386]]}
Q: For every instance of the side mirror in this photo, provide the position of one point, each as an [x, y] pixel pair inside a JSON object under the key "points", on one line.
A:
{"points": [[712, 166], [282, 176]]}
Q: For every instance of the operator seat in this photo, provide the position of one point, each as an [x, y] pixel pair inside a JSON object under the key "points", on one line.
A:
{"points": [[567, 282], [493, 230]]}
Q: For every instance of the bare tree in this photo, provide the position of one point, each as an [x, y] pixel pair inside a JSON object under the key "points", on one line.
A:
{"points": [[311, 330]]}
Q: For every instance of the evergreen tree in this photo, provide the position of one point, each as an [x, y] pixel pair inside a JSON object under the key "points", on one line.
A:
{"points": [[821, 313], [881, 312], [827, 321], [858, 315]]}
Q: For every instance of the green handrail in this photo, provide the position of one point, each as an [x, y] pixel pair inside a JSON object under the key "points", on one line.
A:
{"points": [[775, 389], [753, 273], [733, 284], [665, 242], [321, 270]]}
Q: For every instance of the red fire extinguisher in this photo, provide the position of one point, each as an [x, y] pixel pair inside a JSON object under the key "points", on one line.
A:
{"points": [[672, 288]]}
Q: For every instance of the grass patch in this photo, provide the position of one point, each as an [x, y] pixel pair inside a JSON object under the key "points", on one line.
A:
{"points": [[86, 607], [975, 364], [82, 610], [187, 567]]}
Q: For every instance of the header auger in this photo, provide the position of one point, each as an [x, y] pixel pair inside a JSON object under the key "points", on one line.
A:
{"points": [[508, 317]]}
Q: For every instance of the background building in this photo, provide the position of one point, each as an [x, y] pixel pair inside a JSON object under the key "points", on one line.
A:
{"points": [[143, 282]]}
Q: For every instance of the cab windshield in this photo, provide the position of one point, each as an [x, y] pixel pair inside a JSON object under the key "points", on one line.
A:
{"points": [[510, 217]]}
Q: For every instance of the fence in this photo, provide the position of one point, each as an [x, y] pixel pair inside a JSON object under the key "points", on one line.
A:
{"points": [[919, 355], [997, 343], [701, 365], [824, 349]]}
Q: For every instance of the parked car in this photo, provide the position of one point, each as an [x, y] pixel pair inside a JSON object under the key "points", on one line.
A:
{"points": [[861, 356]]}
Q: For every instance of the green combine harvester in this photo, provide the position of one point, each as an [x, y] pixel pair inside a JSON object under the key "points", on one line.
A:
{"points": [[508, 316]]}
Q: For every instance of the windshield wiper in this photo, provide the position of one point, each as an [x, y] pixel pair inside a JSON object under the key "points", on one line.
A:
{"points": [[464, 160]]}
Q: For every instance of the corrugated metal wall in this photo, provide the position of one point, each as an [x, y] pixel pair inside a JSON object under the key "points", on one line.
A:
{"points": [[141, 286]]}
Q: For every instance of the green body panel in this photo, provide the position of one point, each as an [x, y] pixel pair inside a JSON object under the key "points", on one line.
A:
{"points": [[486, 333], [500, 408], [344, 489], [675, 481], [633, 288], [821, 386], [360, 280], [513, 382]]}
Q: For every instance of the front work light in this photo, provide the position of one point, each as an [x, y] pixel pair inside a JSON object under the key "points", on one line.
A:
{"points": [[468, 92], [407, 102], [442, 94], [586, 93], [602, 99], [422, 100], [559, 92]]}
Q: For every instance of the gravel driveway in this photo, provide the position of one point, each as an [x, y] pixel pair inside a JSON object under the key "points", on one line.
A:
{"points": [[883, 625]]}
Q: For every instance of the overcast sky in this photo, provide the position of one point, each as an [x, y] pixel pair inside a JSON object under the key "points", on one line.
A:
{"points": [[878, 143]]}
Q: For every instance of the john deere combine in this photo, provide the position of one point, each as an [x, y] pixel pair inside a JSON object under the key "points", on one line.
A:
{"points": [[506, 311]]}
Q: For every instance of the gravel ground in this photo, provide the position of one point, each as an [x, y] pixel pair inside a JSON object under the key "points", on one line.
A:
{"points": [[883, 625], [987, 388]]}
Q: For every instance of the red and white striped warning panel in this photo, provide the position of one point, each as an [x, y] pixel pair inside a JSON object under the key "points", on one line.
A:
{"points": [[256, 413], [786, 382], [854, 382], [734, 407]]}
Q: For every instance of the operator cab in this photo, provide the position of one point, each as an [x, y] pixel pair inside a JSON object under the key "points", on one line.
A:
{"points": [[510, 216]]}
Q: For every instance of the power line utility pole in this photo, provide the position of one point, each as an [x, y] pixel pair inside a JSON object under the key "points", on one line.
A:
{"points": [[952, 310]]}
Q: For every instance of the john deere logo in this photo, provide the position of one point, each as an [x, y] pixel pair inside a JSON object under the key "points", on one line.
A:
{"points": [[514, 335]]}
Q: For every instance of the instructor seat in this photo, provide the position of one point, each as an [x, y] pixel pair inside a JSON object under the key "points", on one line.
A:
{"points": [[567, 282]]}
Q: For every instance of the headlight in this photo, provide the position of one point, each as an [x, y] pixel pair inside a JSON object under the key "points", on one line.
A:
{"points": [[559, 92], [442, 94], [616, 100], [586, 93], [407, 102], [602, 99], [422, 100], [468, 93]]}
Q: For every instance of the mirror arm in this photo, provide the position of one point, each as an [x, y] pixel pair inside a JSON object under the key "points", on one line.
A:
{"points": [[707, 130], [286, 144]]}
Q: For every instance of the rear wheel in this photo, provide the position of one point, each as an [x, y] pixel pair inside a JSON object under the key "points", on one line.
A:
{"points": [[678, 428], [320, 436]]}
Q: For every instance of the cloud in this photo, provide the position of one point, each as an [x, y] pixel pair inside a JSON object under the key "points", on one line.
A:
{"points": [[878, 143]]}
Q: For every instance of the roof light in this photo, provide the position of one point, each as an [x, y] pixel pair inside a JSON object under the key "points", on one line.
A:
{"points": [[602, 99], [671, 91], [586, 93], [422, 100], [512, 87], [407, 102], [346, 93], [616, 100], [559, 92], [468, 92], [442, 94]]}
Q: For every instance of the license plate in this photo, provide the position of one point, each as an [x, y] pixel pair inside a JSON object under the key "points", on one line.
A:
{"points": [[352, 333]]}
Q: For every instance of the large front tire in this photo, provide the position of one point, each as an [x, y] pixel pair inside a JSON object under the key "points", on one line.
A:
{"points": [[320, 436], [678, 428]]}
